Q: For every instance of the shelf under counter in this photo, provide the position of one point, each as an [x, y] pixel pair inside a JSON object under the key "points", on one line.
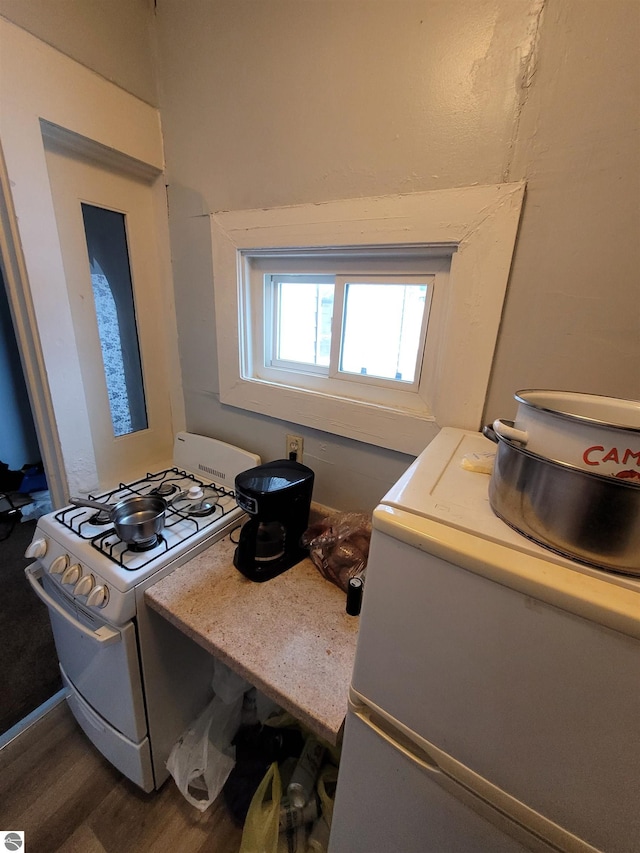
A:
{"points": [[290, 636]]}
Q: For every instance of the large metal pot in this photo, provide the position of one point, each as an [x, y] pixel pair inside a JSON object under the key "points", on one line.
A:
{"points": [[599, 434], [587, 517], [137, 519]]}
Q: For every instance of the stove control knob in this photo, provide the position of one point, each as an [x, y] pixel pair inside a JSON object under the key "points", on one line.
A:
{"points": [[37, 549], [59, 565], [72, 575], [84, 585], [98, 597]]}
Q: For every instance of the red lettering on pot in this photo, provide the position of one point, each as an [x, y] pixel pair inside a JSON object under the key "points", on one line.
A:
{"points": [[629, 454], [590, 450], [591, 456]]}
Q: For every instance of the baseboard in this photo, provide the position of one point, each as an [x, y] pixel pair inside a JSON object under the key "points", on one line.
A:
{"points": [[32, 718]]}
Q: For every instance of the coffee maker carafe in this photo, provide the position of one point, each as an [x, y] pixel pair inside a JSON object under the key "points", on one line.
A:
{"points": [[277, 496]]}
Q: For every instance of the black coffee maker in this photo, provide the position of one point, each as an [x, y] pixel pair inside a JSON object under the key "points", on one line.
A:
{"points": [[277, 496]]}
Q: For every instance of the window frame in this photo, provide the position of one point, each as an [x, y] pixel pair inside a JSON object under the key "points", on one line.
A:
{"points": [[475, 227], [331, 381], [337, 372], [270, 304]]}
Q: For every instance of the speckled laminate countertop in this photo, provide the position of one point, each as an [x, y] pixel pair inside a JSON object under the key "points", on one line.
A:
{"points": [[290, 636]]}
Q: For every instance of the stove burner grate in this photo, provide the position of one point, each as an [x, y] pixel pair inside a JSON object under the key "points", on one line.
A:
{"points": [[184, 518], [204, 509], [164, 490], [141, 547], [118, 551], [101, 518]]}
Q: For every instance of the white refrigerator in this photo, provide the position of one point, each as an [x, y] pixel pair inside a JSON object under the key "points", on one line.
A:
{"points": [[495, 699]]}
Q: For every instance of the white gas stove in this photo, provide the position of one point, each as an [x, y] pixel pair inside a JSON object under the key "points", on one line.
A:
{"points": [[79, 548], [133, 681]]}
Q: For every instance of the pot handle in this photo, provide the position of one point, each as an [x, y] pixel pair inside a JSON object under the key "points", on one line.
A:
{"points": [[489, 432], [505, 429], [92, 504]]}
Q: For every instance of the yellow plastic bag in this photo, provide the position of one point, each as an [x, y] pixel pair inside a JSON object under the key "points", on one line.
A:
{"points": [[319, 836], [260, 834], [327, 782]]}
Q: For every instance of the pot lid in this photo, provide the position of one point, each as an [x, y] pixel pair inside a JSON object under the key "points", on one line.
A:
{"points": [[586, 408]]}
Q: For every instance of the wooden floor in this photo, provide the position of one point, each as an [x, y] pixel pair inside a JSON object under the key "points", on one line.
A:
{"points": [[57, 787]]}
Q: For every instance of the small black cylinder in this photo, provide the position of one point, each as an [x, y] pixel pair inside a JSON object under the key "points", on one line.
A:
{"points": [[354, 596]]}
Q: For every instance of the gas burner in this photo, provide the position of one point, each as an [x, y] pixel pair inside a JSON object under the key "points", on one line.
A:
{"points": [[164, 490], [203, 509], [140, 547], [100, 518]]}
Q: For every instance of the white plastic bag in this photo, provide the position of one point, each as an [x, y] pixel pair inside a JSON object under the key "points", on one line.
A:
{"points": [[203, 757]]}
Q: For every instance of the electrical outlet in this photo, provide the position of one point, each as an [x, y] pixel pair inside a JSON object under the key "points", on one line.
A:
{"points": [[294, 447]]}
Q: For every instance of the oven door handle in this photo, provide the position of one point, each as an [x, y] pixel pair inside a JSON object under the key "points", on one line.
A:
{"points": [[104, 635]]}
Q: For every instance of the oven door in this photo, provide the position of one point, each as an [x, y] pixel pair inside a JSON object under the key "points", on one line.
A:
{"points": [[99, 659]]}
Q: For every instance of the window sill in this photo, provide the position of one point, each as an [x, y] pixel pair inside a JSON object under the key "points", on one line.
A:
{"points": [[404, 430]]}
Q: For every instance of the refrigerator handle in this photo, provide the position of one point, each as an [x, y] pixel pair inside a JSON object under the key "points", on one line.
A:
{"points": [[504, 811], [394, 737]]}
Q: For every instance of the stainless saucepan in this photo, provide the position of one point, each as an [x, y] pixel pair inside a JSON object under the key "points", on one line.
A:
{"points": [[137, 519], [588, 517]]}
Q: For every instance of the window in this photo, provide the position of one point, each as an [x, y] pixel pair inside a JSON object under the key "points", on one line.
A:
{"points": [[366, 328], [112, 288], [350, 325], [375, 319], [382, 328], [298, 317]]}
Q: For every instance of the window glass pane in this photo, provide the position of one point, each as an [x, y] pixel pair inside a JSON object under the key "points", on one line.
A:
{"points": [[115, 311], [305, 309], [381, 332]]}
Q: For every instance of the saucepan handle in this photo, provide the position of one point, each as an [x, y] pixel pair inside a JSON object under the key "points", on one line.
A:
{"points": [[92, 504]]}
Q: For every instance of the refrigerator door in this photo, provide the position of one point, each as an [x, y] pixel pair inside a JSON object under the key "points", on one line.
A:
{"points": [[390, 799], [540, 701], [396, 791]]}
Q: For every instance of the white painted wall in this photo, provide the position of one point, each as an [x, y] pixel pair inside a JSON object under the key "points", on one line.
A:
{"points": [[572, 318], [284, 102], [281, 102], [273, 102], [113, 37]]}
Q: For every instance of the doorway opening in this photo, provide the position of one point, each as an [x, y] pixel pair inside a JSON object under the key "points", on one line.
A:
{"points": [[28, 660]]}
